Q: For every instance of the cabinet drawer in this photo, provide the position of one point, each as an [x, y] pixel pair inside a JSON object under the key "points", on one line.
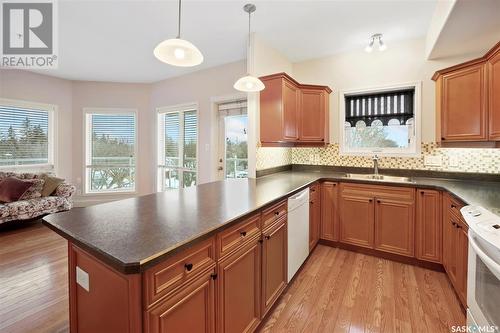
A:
{"points": [[454, 206], [238, 235], [168, 275], [379, 191], [271, 214]]}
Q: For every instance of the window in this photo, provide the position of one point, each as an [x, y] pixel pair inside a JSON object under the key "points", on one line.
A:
{"points": [[380, 122], [26, 135], [177, 147], [110, 150]]}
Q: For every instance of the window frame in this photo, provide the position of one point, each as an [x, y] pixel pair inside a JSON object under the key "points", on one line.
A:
{"points": [[87, 146], [52, 110], [414, 150], [160, 145]]}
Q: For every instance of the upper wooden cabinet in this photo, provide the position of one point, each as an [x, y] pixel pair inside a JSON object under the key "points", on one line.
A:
{"points": [[292, 113], [468, 102]]}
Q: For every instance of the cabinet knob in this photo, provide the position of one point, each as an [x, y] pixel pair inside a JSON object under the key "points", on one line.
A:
{"points": [[311, 202], [276, 213], [243, 233], [267, 237], [422, 192], [443, 139], [453, 206], [188, 267], [370, 200], [378, 201], [453, 223]]}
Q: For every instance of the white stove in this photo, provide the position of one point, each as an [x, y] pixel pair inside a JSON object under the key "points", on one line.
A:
{"points": [[483, 277]]}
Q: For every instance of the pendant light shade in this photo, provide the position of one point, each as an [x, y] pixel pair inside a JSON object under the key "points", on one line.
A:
{"points": [[177, 51], [249, 83]]}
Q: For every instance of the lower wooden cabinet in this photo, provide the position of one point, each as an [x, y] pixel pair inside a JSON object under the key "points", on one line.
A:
{"points": [[356, 219], [455, 249], [191, 309], [428, 229], [239, 290], [329, 211], [394, 226], [314, 215], [274, 263]]}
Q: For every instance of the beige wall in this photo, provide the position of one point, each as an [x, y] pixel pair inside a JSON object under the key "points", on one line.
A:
{"points": [[400, 63], [31, 87]]}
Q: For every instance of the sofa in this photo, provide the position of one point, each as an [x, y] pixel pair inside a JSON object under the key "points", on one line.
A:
{"points": [[59, 200]]}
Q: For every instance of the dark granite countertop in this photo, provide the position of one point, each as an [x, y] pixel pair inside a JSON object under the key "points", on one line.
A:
{"points": [[134, 234]]}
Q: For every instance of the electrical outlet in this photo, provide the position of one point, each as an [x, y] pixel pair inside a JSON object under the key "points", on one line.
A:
{"points": [[435, 161], [82, 278]]}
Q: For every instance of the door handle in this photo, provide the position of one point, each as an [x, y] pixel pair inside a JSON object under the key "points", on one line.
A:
{"points": [[220, 168]]}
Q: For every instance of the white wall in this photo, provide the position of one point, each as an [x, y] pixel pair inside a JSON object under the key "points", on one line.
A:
{"points": [[400, 63], [31, 87]]}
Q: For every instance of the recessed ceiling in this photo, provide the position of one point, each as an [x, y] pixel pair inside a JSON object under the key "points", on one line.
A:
{"points": [[114, 40]]}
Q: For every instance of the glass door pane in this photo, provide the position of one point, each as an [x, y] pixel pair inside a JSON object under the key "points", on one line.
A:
{"points": [[236, 150]]}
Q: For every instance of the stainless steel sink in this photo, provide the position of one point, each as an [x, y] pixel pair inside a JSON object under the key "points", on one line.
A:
{"points": [[380, 178]]}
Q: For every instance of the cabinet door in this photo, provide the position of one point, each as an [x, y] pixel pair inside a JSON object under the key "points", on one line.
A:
{"points": [[312, 115], [356, 220], [464, 105], [291, 100], [190, 309], [428, 229], [329, 211], [450, 248], [238, 290], [494, 96], [462, 263], [274, 264], [394, 226], [314, 222], [271, 111]]}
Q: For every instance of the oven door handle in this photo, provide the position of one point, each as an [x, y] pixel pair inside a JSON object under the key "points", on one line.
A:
{"points": [[490, 263]]}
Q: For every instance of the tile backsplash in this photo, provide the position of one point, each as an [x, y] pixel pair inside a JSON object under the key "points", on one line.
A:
{"points": [[472, 160]]}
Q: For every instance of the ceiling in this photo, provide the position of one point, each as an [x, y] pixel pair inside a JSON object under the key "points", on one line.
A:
{"points": [[114, 40], [472, 27]]}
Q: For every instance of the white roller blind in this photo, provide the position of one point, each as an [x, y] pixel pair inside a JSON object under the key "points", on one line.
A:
{"points": [[24, 136]]}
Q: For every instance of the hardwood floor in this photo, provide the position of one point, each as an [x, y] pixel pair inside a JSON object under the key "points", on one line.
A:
{"points": [[343, 291], [336, 291], [33, 281]]}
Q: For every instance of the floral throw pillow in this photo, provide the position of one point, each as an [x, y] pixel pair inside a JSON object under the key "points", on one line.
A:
{"points": [[35, 190]]}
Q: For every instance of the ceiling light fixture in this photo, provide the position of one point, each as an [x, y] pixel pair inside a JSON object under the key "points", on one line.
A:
{"points": [[177, 51], [376, 38], [249, 83]]}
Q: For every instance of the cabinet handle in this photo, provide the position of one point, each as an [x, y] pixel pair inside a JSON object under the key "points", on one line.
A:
{"points": [[453, 206], [422, 192], [267, 237], [378, 201], [313, 190], [276, 213], [370, 200], [334, 184], [311, 202], [243, 233], [443, 139], [453, 223], [188, 267]]}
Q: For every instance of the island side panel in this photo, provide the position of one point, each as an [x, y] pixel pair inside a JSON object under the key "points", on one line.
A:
{"points": [[113, 300]]}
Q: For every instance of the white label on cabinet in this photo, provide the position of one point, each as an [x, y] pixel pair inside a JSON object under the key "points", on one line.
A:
{"points": [[82, 278]]}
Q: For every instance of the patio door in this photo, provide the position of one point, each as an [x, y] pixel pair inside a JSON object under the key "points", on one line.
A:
{"points": [[233, 151]]}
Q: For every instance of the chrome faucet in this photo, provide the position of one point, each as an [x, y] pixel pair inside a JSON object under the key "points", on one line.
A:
{"points": [[375, 164]]}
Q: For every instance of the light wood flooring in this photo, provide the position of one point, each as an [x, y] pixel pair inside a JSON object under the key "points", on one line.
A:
{"points": [[336, 291]]}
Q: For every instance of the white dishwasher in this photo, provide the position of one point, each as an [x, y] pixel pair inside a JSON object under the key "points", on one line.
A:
{"points": [[298, 231]]}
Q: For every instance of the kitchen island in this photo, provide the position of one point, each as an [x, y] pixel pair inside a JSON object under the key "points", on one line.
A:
{"points": [[151, 263]]}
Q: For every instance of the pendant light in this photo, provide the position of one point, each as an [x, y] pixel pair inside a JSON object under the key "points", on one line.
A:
{"points": [[177, 51], [249, 83]]}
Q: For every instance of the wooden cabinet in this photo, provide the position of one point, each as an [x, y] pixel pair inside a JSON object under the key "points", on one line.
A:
{"points": [[314, 215], [239, 289], [455, 248], [274, 263], [356, 219], [394, 226], [190, 309], [314, 115], [428, 230], [329, 228], [493, 69], [468, 102], [292, 113]]}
